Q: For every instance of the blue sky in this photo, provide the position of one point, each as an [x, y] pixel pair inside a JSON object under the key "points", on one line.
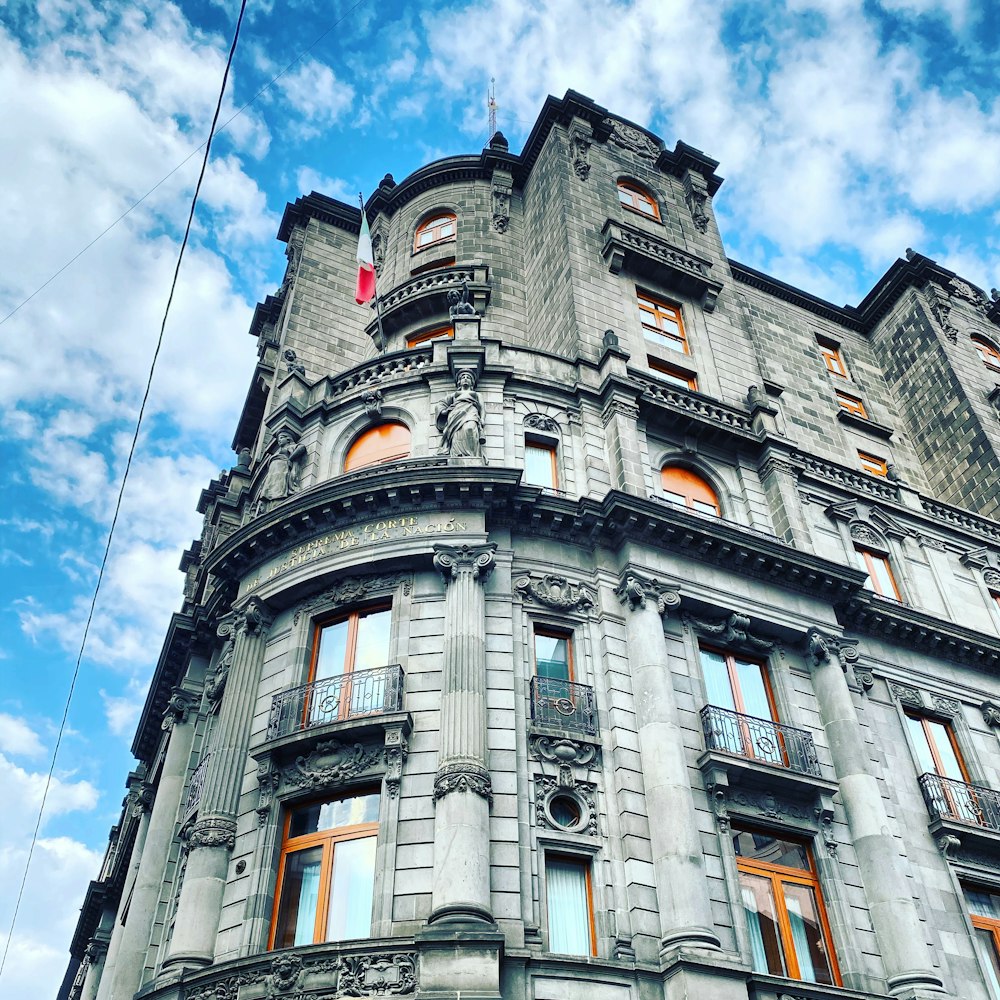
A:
{"points": [[847, 131]]}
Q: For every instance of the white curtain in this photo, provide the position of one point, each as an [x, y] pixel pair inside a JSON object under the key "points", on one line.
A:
{"points": [[569, 908], [757, 951], [305, 918], [800, 939]]}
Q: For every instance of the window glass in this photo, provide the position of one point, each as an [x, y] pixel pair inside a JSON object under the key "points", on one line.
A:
{"points": [[830, 352], [358, 642], [989, 353], [637, 199], [552, 655], [662, 323], [880, 578], [935, 747], [570, 911], [423, 336], [352, 888], [984, 908], [687, 489], [436, 229], [540, 464], [383, 443], [671, 375], [852, 404], [872, 464]]}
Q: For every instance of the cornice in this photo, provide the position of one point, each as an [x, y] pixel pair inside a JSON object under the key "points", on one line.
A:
{"points": [[318, 206], [90, 916]]}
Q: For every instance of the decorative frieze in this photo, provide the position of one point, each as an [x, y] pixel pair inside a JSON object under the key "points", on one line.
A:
{"points": [[555, 592], [351, 590], [377, 975], [632, 139], [331, 762], [906, 695]]}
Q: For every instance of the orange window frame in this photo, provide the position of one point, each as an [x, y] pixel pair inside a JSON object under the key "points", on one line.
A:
{"points": [[585, 865], [932, 746], [683, 482], [872, 464], [734, 679], [637, 199], [851, 404], [675, 376], [869, 558], [832, 358], [653, 312], [375, 447], [435, 225], [552, 450], [327, 840], [353, 620], [778, 875], [422, 336], [553, 633], [989, 353]]}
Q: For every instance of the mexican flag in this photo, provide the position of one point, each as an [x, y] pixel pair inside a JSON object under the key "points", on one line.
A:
{"points": [[365, 290]]}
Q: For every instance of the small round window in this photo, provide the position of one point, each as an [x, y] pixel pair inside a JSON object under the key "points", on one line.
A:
{"points": [[565, 812]]}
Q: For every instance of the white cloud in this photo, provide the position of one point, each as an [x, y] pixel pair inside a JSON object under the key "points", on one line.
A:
{"points": [[18, 738], [122, 711], [307, 179], [315, 93]]}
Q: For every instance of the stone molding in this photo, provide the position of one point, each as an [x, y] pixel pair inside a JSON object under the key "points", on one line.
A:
{"points": [[733, 630], [463, 777], [479, 560], [635, 589], [555, 592], [351, 590]]}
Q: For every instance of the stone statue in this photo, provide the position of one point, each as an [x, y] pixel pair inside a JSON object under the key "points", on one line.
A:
{"points": [[294, 365], [458, 302], [460, 420], [282, 476]]}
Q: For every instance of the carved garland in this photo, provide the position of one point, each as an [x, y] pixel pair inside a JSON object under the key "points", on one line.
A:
{"points": [[331, 762]]}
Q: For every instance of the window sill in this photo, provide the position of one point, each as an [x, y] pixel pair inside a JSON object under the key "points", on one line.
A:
{"points": [[864, 424], [764, 987]]}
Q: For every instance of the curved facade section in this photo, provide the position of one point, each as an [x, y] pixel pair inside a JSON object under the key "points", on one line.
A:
{"points": [[546, 658]]}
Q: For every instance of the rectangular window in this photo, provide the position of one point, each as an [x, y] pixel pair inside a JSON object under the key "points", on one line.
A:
{"points": [[852, 405], [570, 905], [326, 876], [880, 578], [553, 654], [984, 909], [662, 323], [938, 754], [422, 336], [540, 467], [830, 352], [673, 376], [872, 464], [783, 905], [346, 654]]}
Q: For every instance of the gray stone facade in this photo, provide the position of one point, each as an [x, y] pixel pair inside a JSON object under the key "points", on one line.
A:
{"points": [[471, 754]]}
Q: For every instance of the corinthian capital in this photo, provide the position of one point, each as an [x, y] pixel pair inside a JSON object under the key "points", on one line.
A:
{"points": [[252, 618], [634, 590], [479, 560]]}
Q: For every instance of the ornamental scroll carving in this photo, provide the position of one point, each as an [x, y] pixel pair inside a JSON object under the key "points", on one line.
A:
{"points": [[500, 195], [991, 713], [906, 695], [566, 754], [579, 150], [555, 592], [253, 618], [583, 793], [478, 560], [634, 590], [212, 833], [540, 422], [351, 590], [464, 777], [331, 762], [819, 647], [179, 705], [630, 138], [268, 782], [377, 975], [395, 753], [732, 631]]}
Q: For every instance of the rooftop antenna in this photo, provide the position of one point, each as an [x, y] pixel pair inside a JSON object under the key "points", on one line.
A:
{"points": [[492, 104]]}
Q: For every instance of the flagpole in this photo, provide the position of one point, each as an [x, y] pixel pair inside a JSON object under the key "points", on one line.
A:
{"points": [[378, 308]]}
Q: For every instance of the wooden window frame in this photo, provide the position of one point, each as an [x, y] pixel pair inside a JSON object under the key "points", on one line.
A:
{"points": [[435, 333], [353, 619], [988, 351], [688, 496], [852, 404], [327, 840], [939, 769], [430, 223], [672, 372], [779, 874], [869, 556], [650, 305], [586, 863], [734, 680], [830, 352], [637, 194], [989, 924], [873, 465], [381, 461], [547, 445]]}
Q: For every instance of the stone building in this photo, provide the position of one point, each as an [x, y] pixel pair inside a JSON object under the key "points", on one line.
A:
{"points": [[614, 621]]}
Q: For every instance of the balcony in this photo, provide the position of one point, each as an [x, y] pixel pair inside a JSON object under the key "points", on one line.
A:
{"points": [[562, 704], [760, 739], [969, 812], [195, 787], [357, 695]]}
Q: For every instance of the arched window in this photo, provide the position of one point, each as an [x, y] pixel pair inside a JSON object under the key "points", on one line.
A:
{"points": [[437, 228], [687, 489], [990, 353], [422, 336], [638, 199], [382, 443]]}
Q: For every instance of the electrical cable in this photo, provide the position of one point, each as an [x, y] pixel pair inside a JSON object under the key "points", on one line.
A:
{"points": [[121, 491], [267, 86]]}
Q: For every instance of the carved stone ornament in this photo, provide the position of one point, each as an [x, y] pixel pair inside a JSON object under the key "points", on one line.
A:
{"points": [[284, 457], [459, 420], [293, 364], [946, 843], [373, 402], [253, 618], [224, 989], [991, 713], [500, 196], [696, 196], [991, 578], [906, 695], [286, 971], [555, 592], [464, 777], [579, 150], [378, 251], [213, 833], [633, 139], [377, 975], [562, 751], [293, 252], [350, 590], [540, 422], [140, 798], [395, 753], [734, 630], [824, 817], [331, 762], [866, 535], [941, 308], [179, 705], [634, 590], [458, 302], [946, 706], [582, 793], [819, 647], [768, 805], [478, 560], [268, 782], [215, 683], [961, 290]]}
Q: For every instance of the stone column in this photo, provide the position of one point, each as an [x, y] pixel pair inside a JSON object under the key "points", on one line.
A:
{"points": [[678, 862], [97, 951], [199, 907], [462, 788], [134, 944], [894, 915]]}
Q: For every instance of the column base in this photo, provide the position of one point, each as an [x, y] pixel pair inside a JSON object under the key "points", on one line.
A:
{"points": [[917, 986], [689, 937], [459, 962], [469, 914], [718, 975], [176, 965]]}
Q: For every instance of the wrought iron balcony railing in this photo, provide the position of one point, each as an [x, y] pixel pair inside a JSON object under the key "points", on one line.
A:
{"points": [[950, 799], [196, 785], [759, 739], [563, 704], [335, 699]]}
